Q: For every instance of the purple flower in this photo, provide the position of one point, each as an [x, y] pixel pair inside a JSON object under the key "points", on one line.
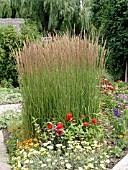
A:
{"points": [[106, 130], [120, 96], [120, 104], [116, 112]]}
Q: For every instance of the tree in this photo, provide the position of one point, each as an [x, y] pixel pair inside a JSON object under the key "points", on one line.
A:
{"points": [[110, 17]]}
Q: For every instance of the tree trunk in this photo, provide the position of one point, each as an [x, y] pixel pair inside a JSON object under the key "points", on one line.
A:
{"points": [[126, 72]]}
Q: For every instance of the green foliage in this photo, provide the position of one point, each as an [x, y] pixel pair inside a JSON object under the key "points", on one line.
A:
{"points": [[29, 31], [9, 41], [110, 18], [10, 95]]}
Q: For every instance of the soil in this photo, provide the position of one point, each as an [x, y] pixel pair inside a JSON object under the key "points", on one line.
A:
{"points": [[114, 160]]}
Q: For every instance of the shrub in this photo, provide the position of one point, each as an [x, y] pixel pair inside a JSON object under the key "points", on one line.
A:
{"points": [[9, 41], [110, 18]]}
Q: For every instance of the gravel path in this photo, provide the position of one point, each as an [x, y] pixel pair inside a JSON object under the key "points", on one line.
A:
{"points": [[16, 107], [4, 160]]}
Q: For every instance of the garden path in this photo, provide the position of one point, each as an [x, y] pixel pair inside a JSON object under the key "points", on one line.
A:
{"points": [[3, 151], [3, 155], [15, 107]]}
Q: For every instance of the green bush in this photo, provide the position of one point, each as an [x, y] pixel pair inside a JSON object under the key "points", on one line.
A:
{"points": [[9, 42], [110, 18]]}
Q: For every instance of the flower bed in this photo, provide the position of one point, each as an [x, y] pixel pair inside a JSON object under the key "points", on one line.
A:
{"points": [[95, 142]]}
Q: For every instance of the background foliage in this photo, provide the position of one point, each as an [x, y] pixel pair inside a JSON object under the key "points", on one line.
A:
{"points": [[9, 41], [110, 18]]}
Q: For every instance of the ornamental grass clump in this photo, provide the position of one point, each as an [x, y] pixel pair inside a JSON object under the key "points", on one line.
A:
{"points": [[57, 77]]}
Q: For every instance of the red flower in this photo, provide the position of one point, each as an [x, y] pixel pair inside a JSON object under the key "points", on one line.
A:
{"points": [[68, 119], [85, 124], [59, 132], [49, 126], [102, 81], [94, 121], [69, 115], [109, 83], [118, 81], [60, 125], [111, 88]]}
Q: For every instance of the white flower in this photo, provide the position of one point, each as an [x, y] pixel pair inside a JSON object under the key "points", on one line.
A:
{"points": [[92, 159], [53, 163], [45, 144], [66, 160], [61, 157], [35, 152], [70, 142], [26, 162], [88, 147], [79, 168], [42, 149], [19, 164], [93, 151], [25, 154], [58, 145], [43, 165], [55, 160], [31, 150], [68, 165], [48, 159], [90, 165], [50, 147], [78, 147], [102, 166], [107, 161]]}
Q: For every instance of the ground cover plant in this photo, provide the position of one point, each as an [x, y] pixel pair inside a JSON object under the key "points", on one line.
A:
{"points": [[10, 95]]}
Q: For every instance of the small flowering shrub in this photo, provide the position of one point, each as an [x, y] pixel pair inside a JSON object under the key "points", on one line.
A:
{"points": [[78, 155]]}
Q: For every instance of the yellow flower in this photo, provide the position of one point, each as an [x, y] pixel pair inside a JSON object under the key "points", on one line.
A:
{"points": [[30, 140], [16, 128], [19, 144], [125, 137], [16, 168], [26, 146], [121, 136], [124, 133], [25, 141], [9, 129], [37, 144], [17, 135]]}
